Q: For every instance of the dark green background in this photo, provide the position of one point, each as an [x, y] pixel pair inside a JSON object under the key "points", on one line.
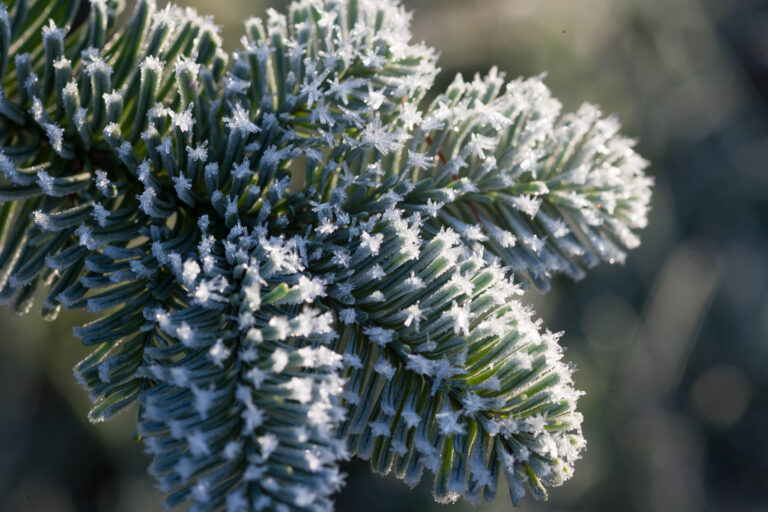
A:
{"points": [[671, 348]]}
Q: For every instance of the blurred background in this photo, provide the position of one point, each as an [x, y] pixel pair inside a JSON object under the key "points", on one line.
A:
{"points": [[672, 348]]}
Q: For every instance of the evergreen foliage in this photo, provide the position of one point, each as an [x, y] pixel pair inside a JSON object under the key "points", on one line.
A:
{"points": [[291, 261]]}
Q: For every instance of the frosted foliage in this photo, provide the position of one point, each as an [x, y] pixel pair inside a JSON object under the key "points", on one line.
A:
{"points": [[267, 329]]}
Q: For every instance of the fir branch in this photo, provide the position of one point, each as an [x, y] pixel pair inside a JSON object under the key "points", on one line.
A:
{"points": [[269, 322]]}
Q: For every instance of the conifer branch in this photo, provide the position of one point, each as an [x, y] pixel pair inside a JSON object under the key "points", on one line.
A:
{"points": [[288, 261]]}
